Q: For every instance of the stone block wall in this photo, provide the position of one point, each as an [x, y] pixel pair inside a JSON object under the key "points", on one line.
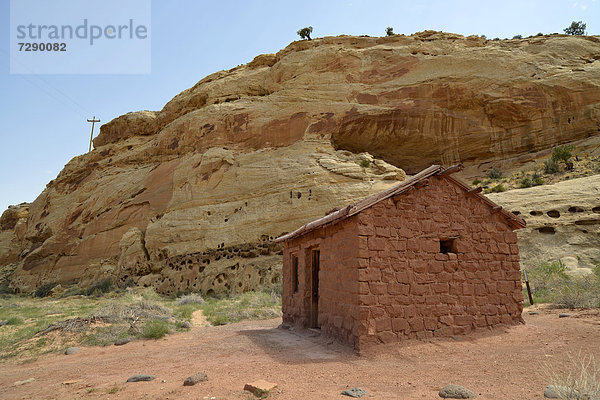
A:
{"points": [[408, 288], [338, 280]]}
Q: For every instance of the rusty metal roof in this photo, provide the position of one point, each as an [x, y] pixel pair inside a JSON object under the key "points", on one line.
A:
{"points": [[405, 186]]}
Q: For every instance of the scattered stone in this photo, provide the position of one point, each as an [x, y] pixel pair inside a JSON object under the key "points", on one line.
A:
{"points": [[19, 383], [186, 325], [74, 381], [354, 392], [560, 392], [284, 326], [564, 315], [456, 392], [457, 338], [533, 312], [2, 323], [196, 378], [141, 378], [121, 342], [71, 350], [260, 388]]}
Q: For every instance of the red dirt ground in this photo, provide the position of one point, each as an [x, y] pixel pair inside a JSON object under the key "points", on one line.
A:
{"points": [[503, 364]]}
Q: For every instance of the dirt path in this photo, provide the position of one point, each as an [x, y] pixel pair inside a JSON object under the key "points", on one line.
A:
{"points": [[198, 319], [503, 364]]}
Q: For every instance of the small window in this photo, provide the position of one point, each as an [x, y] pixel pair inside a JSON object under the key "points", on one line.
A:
{"points": [[295, 283], [447, 246]]}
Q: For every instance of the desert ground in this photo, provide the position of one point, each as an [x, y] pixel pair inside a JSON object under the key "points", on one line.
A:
{"points": [[510, 363]]}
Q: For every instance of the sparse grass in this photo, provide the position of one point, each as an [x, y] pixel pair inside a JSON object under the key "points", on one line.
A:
{"points": [[250, 305], [365, 163], [114, 389], [578, 378], [100, 321], [14, 321]]}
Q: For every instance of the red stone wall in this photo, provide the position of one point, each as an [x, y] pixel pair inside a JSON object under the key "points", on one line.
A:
{"points": [[408, 288], [338, 280]]}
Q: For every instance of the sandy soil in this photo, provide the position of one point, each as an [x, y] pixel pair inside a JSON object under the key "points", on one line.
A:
{"points": [[502, 364]]}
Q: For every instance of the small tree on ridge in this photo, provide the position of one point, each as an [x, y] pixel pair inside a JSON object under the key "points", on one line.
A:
{"points": [[576, 28], [305, 32], [389, 31]]}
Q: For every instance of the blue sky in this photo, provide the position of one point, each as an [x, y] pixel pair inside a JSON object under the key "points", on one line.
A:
{"points": [[43, 117]]}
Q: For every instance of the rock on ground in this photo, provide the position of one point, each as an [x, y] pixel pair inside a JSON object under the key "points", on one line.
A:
{"points": [[121, 342], [456, 392], [19, 383], [71, 350], [354, 392], [141, 378], [260, 388], [196, 378]]}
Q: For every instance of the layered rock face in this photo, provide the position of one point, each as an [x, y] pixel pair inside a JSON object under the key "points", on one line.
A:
{"points": [[191, 196], [563, 222]]}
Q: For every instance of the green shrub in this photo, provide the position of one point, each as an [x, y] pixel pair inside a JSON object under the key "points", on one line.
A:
{"points": [[99, 288], [365, 163], [494, 173], [476, 182], [44, 290], [551, 166], [526, 183], [578, 292], [389, 31], [497, 189], [550, 283], [155, 329], [563, 153], [576, 28], [596, 269], [518, 37]]}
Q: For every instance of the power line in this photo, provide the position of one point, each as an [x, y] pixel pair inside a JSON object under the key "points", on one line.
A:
{"points": [[78, 107]]}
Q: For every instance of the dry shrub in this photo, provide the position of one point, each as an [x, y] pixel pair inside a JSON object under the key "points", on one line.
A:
{"points": [[192, 298], [578, 378], [114, 313]]}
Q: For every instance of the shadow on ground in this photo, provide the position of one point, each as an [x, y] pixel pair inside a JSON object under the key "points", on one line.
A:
{"points": [[299, 346]]}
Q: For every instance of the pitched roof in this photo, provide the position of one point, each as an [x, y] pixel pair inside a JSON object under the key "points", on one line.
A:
{"points": [[405, 186]]}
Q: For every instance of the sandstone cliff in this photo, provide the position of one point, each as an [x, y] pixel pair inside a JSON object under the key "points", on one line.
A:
{"points": [[563, 222], [191, 196]]}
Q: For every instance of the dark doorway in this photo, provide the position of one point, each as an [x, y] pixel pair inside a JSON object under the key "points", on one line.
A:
{"points": [[314, 312]]}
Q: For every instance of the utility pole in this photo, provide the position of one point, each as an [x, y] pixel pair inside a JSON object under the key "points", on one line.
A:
{"points": [[93, 121]]}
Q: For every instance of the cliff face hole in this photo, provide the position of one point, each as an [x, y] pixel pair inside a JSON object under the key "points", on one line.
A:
{"points": [[516, 212], [596, 209], [535, 213], [547, 230], [553, 214], [576, 209]]}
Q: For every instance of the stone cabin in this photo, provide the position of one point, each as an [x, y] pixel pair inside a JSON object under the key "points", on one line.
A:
{"points": [[428, 257]]}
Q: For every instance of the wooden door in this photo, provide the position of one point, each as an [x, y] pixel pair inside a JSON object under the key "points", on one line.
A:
{"points": [[314, 315]]}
